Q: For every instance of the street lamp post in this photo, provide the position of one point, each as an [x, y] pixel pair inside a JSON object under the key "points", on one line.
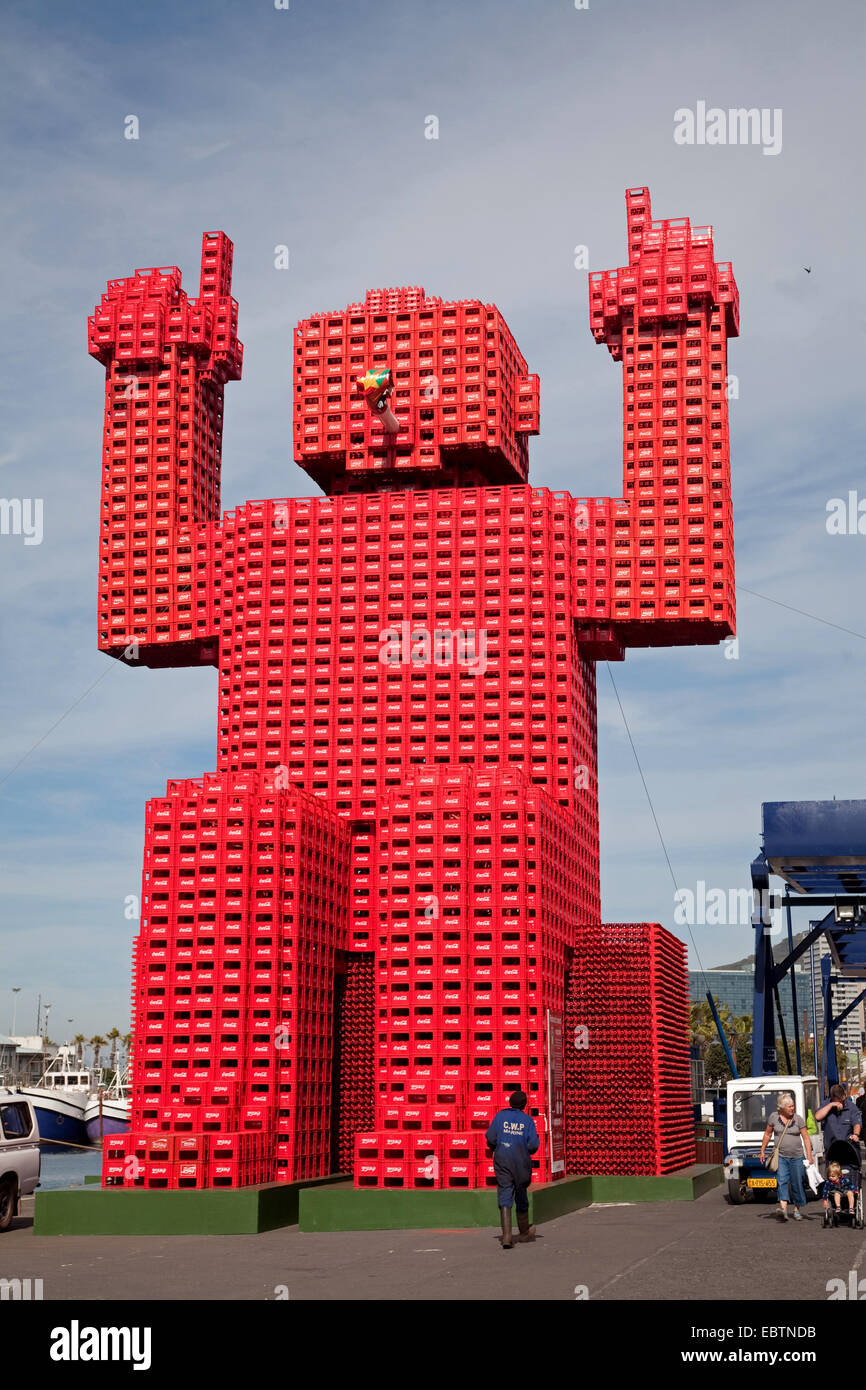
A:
{"points": [[16, 990]]}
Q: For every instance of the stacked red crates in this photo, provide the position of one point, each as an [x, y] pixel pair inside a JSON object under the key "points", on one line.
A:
{"points": [[667, 317], [421, 642], [167, 359], [479, 882], [363, 637], [415, 1157], [244, 907], [187, 1159], [628, 1093], [356, 1067], [462, 386]]}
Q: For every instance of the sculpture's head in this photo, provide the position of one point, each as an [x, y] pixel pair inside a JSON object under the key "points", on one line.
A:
{"points": [[461, 394]]}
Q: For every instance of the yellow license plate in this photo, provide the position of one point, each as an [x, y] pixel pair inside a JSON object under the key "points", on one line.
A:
{"points": [[761, 1182]]}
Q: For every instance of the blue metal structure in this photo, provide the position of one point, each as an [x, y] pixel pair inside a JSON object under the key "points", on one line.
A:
{"points": [[819, 849]]}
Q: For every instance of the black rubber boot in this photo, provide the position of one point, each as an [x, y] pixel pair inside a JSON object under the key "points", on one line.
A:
{"points": [[527, 1232], [505, 1218]]}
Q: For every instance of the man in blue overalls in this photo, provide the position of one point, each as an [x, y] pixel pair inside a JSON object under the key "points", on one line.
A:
{"points": [[513, 1138]]}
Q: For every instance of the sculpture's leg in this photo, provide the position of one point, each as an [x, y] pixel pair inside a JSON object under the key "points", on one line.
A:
{"points": [[243, 911], [479, 878]]}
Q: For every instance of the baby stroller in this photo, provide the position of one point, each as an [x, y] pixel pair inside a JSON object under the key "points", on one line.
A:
{"points": [[847, 1154]]}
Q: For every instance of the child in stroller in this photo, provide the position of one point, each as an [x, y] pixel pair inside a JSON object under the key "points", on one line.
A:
{"points": [[843, 1175]]}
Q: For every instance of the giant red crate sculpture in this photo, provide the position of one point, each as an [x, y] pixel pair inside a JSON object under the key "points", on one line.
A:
{"points": [[356, 932]]}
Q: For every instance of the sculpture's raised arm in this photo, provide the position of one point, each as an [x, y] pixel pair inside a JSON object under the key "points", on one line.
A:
{"points": [[659, 564], [167, 359]]}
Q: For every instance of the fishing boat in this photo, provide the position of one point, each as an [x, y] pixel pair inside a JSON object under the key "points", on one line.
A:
{"points": [[60, 1097], [107, 1109]]}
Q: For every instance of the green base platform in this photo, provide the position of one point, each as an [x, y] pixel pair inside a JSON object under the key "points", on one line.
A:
{"points": [[121, 1211], [682, 1186], [342, 1207], [350, 1208], [333, 1204]]}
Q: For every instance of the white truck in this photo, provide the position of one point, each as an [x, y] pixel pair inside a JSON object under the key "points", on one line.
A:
{"points": [[751, 1101], [20, 1159]]}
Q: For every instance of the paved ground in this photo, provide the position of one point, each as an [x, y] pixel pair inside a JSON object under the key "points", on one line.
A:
{"points": [[672, 1251]]}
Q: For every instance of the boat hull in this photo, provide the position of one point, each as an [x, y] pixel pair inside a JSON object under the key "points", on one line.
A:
{"points": [[59, 1121], [115, 1120]]}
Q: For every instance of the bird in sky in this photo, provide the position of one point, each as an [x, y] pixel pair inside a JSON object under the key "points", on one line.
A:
{"points": [[808, 269]]}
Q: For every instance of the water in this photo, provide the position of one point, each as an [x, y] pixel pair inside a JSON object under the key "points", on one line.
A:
{"points": [[68, 1167]]}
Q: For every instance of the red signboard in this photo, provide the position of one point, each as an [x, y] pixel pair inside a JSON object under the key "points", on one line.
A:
{"points": [[555, 1096]]}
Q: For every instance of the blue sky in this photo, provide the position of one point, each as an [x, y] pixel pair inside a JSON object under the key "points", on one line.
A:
{"points": [[306, 127]]}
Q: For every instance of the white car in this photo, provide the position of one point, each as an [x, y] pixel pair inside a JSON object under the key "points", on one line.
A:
{"points": [[20, 1159]]}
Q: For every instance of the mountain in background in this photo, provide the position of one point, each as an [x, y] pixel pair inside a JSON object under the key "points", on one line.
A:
{"points": [[779, 953]]}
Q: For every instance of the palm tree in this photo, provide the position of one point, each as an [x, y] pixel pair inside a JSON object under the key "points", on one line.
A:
{"points": [[78, 1042], [97, 1043], [702, 1025], [114, 1037], [739, 1029]]}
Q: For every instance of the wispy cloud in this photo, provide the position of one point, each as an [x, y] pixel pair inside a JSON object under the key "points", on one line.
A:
{"points": [[207, 151]]}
